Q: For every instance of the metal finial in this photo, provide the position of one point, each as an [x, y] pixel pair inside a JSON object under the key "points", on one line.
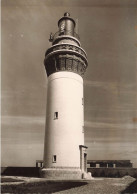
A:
{"points": [[67, 14]]}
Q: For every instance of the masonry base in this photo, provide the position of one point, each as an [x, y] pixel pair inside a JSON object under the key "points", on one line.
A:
{"points": [[61, 173]]}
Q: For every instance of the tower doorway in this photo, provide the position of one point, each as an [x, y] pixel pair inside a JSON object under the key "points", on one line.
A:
{"points": [[83, 158]]}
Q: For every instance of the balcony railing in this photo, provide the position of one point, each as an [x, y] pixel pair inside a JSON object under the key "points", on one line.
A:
{"points": [[65, 32], [67, 47]]}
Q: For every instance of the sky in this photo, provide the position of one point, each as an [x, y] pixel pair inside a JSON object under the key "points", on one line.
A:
{"points": [[108, 34]]}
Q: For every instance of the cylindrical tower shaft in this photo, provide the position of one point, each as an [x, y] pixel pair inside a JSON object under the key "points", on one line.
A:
{"points": [[65, 122]]}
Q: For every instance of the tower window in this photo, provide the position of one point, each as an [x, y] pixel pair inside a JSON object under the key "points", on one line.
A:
{"points": [[55, 115], [54, 159]]}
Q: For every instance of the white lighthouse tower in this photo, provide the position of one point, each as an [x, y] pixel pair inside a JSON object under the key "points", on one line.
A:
{"points": [[65, 155]]}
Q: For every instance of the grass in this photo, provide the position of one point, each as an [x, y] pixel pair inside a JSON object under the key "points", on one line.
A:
{"points": [[40, 187], [94, 186], [5, 179]]}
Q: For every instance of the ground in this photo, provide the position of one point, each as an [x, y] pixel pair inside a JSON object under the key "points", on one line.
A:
{"points": [[12, 184]]}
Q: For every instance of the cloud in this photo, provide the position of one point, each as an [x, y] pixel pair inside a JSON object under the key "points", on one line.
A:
{"points": [[76, 3], [20, 130], [112, 86], [10, 94], [22, 120], [123, 126], [22, 154]]}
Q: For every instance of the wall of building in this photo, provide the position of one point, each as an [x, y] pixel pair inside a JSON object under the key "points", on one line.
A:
{"points": [[110, 163], [113, 172], [20, 171], [96, 172]]}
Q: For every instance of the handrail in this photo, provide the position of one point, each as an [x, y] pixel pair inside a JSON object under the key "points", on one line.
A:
{"points": [[66, 32], [68, 47]]}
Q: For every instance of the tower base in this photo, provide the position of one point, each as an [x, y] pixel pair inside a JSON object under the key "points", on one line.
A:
{"points": [[61, 173]]}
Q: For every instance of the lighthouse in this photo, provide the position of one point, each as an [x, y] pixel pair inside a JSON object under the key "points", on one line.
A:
{"points": [[65, 156]]}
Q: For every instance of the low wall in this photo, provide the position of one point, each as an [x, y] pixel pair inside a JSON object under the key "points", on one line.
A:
{"points": [[113, 172], [20, 171], [96, 172]]}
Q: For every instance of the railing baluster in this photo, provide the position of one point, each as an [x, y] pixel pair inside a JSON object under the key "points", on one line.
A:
{"points": [[66, 32]]}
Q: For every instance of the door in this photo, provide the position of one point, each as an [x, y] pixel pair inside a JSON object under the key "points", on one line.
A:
{"points": [[85, 162]]}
